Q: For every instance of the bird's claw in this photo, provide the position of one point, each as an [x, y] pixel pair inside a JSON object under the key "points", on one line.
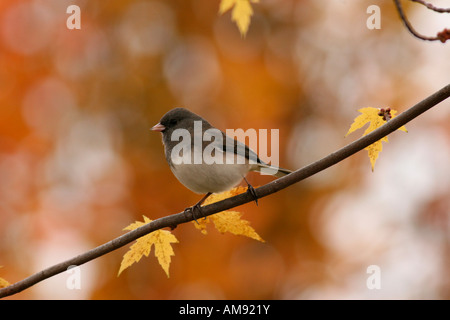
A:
{"points": [[252, 192], [192, 210]]}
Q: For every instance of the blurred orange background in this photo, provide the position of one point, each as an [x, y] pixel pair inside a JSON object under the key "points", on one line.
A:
{"points": [[78, 162]]}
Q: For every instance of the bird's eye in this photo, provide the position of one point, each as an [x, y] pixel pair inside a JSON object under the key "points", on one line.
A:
{"points": [[173, 122]]}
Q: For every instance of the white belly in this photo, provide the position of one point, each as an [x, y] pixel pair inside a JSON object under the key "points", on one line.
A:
{"points": [[209, 176], [215, 178]]}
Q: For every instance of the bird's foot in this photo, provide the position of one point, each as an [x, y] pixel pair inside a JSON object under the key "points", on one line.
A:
{"points": [[196, 207], [252, 191], [191, 211]]}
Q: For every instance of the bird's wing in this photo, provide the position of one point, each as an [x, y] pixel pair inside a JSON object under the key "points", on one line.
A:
{"points": [[224, 143]]}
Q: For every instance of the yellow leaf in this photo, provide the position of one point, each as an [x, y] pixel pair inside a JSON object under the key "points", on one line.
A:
{"points": [[228, 221], [161, 239], [216, 197], [226, 5], [374, 116], [3, 282], [241, 13], [201, 225]]}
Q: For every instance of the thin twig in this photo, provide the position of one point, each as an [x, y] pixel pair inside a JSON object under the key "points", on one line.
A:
{"points": [[263, 191], [408, 24], [432, 7]]}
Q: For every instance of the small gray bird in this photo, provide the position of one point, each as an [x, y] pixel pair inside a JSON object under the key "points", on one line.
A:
{"points": [[204, 159]]}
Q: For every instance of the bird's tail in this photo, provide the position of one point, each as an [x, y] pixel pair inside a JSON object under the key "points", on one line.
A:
{"points": [[272, 170]]}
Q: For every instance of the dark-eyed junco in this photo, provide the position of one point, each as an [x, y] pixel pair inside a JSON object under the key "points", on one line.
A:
{"points": [[203, 158]]}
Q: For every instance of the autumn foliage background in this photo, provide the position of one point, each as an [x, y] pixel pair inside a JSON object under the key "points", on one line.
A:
{"points": [[78, 162]]}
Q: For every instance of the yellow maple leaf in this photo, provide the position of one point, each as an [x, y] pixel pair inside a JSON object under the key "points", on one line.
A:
{"points": [[241, 13], [228, 221], [3, 282], [376, 117], [161, 239]]}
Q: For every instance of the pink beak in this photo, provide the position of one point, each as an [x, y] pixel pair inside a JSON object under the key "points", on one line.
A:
{"points": [[158, 127]]}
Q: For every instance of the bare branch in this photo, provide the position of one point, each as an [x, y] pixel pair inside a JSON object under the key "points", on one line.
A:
{"points": [[442, 36], [409, 26], [263, 191], [431, 7]]}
